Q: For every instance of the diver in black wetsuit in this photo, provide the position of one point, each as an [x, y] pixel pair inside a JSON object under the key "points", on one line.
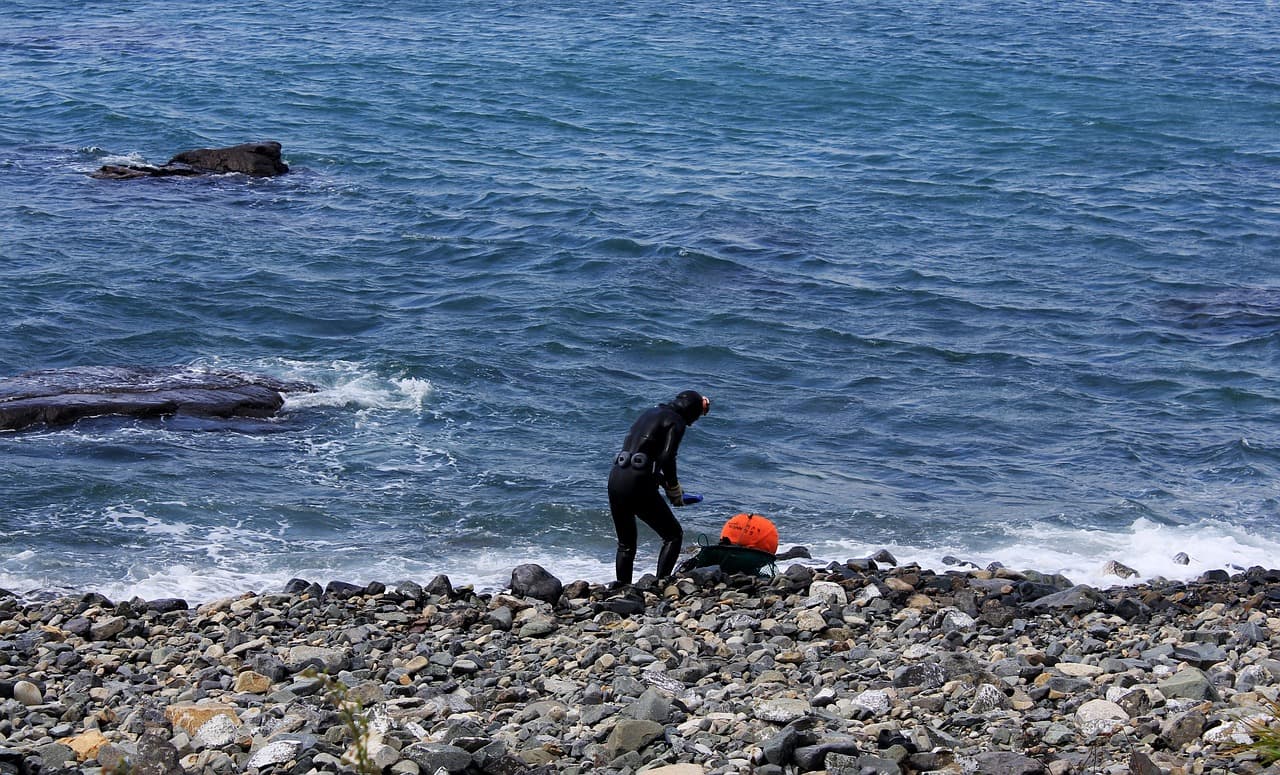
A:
{"points": [[647, 461]]}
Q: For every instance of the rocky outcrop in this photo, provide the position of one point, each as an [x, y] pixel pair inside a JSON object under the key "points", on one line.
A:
{"points": [[255, 159], [62, 396]]}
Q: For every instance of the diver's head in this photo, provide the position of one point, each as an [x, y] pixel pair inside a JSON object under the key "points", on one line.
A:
{"points": [[690, 404]]}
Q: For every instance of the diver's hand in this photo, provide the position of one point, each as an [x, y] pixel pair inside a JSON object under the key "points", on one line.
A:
{"points": [[675, 494]]}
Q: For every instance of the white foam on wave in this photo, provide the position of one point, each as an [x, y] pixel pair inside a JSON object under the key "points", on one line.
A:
{"points": [[125, 518], [350, 384], [1082, 555], [488, 571], [133, 158]]}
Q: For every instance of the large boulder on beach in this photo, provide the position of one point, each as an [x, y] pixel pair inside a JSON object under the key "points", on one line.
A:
{"points": [[534, 581], [259, 160], [63, 396]]}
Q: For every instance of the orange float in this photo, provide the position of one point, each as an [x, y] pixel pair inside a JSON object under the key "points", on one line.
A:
{"points": [[750, 530]]}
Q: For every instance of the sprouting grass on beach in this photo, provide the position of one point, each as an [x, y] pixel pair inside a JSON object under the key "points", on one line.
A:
{"points": [[1265, 731]]}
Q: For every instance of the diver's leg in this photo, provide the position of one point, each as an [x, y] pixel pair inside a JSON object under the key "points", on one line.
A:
{"points": [[624, 524], [658, 515]]}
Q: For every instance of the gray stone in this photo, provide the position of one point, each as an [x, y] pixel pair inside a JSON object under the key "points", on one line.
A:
{"points": [[156, 756], [501, 618], [325, 660], [1141, 764], [1078, 599], [1190, 683], [1113, 568], [779, 748], [926, 675], [955, 620], [865, 764], [217, 732], [1201, 655], [431, 757], [275, 752], [108, 628], [537, 627], [1008, 763], [1251, 677], [652, 705], [28, 693], [782, 710], [1182, 730], [631, 735], [988, 698], [814, 757], [1057, 734], [874, 701], [1100, 717], [55, 756]]}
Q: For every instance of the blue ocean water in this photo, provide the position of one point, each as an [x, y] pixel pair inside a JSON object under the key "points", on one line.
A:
{"points": [[992, 280]]}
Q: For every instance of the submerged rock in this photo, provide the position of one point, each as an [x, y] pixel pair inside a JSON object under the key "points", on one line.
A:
{"points": [[255, 159], [62, 396]]}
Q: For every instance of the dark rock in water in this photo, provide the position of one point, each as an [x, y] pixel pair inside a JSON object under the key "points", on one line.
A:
{"points": [[135, 171], [63, 396], [534, 581], [1181, 558], [259, 160]]}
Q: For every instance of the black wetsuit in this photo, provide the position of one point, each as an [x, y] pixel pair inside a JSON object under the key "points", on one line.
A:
{"points": [[647, 461]]}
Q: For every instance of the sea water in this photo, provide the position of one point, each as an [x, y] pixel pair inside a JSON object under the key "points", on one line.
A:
{"points": [[992, 281]]}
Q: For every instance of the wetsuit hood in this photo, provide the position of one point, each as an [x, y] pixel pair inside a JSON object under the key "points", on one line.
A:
{"points": [[690, 405]]}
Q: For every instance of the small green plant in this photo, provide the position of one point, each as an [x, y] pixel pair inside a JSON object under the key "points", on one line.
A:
{"points": [[122, 767], [1265, 732], [356, 721]]}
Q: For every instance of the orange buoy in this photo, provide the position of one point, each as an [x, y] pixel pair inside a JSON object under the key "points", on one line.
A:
{"points": [[752, 530]]}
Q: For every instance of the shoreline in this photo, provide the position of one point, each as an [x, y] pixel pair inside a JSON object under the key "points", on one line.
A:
{"points": [[848, 668]]}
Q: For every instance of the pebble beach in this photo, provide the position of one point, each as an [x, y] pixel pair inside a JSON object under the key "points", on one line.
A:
{"points": [[861, 666]]}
